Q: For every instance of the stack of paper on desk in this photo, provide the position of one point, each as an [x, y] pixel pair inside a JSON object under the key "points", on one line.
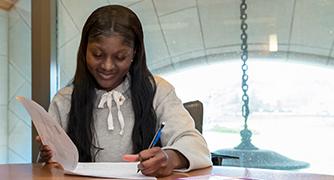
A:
{"points": [[66, 153], [123, 170]]}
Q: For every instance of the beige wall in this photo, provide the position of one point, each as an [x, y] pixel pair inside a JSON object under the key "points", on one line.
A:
{"points": [[15, 79], [3, 84]]}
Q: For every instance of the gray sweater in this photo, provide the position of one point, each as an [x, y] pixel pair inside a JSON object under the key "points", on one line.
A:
{"points": [[178, 134]]}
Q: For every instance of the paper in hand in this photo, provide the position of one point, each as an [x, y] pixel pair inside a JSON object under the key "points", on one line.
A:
{"points": [[52, 134]]}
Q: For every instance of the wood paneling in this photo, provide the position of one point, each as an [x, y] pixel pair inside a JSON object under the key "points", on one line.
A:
{"points": [[44, 58]]}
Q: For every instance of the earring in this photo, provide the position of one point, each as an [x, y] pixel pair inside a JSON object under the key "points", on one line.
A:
{"points": [[131, 60]]}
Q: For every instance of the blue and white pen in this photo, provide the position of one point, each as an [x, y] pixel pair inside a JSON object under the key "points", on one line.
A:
{"points": [[156, 138]]}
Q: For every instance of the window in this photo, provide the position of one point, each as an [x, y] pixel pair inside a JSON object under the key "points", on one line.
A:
{"points": [[291, 107]]}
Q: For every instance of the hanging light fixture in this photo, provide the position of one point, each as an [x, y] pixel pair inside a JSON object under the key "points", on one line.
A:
{"points": [[248, 154]]}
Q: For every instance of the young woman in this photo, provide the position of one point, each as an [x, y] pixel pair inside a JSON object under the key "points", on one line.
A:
{"points": [[114, 105]]}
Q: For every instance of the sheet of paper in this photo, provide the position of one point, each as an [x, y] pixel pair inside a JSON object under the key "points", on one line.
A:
{"points": [[52, 134], [121, 170]]}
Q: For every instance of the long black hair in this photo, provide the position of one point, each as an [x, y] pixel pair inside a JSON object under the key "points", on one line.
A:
{"points": [[106, 21]]}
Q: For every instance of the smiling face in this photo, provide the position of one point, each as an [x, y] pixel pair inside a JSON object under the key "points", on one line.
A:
{"points": [[108, 60]]}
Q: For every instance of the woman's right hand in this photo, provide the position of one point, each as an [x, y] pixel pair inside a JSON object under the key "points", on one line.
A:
{"points": [[45, 152]]}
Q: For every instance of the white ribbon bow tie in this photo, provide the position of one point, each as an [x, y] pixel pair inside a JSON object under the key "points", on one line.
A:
{"points": [[119, 100]]}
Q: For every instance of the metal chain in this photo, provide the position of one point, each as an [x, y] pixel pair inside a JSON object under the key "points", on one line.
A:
{"points": [[244, 58], [246, 134]]}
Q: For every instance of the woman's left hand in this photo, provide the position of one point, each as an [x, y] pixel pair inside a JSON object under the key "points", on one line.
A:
{"points": [[158, 162]]}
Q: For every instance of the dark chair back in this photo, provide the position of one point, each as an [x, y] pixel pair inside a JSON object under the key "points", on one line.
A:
{"points": [[195, 109]]}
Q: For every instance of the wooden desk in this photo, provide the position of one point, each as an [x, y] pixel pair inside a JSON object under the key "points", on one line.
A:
{"points": [[37, 172]]}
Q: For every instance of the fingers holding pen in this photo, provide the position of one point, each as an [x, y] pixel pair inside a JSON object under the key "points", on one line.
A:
{"points": [[154, 162], [146, 158], [148, 153]]}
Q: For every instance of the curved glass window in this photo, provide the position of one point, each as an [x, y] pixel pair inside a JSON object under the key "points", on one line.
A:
{"points": [[291, 107]]}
